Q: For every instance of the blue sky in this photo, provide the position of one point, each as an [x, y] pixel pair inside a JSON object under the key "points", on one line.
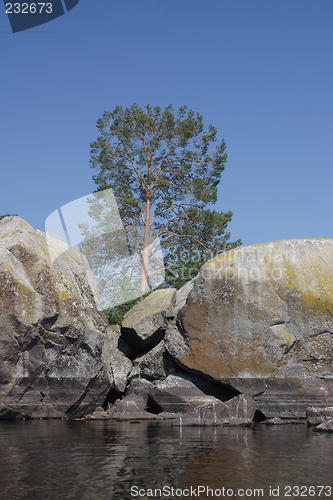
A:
{"points": [[261, 71]]}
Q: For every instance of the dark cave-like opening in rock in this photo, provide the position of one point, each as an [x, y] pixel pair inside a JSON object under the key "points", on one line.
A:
{"points": [[209, 386], [258, 416], [111, 398], [153, 407]]}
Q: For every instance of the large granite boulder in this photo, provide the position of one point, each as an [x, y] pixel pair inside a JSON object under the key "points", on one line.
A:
{"points": [[260, 320], [52, 334], [144, 325]]}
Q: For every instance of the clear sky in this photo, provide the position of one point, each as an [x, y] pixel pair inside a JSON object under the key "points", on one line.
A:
{"points": [[261, 71]]}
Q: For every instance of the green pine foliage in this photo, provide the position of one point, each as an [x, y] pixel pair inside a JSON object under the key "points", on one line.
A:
{"points": [[7, 215], [115, 315], [164, 169]]}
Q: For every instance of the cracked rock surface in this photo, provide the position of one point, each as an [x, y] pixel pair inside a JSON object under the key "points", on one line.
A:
{"points": [[157, 364], [259, 319], [253, 331], [52, 334], [143, 325]]}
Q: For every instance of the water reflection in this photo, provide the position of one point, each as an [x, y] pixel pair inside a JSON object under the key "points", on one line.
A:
{"points": [[101, 460]]}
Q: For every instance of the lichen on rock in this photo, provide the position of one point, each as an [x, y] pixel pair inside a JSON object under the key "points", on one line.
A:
{"points": [[260, 319], [52, 333]]}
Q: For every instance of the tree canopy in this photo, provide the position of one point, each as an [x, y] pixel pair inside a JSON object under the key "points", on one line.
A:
{"points": [[164, 175]]}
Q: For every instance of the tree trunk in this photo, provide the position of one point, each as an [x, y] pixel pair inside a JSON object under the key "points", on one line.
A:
{"points": [[145, 251]]}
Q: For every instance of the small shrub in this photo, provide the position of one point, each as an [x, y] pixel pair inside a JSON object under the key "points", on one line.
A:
{"points": [[7, 215], [115, 315]]}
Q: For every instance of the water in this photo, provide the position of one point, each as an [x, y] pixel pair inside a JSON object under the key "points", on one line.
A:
{"points": [[103, 460]]}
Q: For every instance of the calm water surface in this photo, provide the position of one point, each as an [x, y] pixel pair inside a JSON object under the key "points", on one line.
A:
{"points": [[102, 460]]}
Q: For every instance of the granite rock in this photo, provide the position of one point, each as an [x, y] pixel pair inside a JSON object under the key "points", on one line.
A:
{"points": [[156, 364], [181, 392], [283, 421], [131, 407], [239, 410], [317, 416], [260, 320], [326, 426], [140, 387], [118, 365], [99, 414], [52, 333], [181, 296], [144, 325]]}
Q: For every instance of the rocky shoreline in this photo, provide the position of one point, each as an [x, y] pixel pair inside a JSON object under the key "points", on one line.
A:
{"points": [[248, 340]]}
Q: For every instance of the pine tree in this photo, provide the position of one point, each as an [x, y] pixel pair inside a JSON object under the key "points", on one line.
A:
{"points": [[164, 177]]}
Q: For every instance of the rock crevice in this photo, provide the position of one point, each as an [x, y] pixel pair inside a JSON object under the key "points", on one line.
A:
{"points": [[251, 334], [52, 333]]}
